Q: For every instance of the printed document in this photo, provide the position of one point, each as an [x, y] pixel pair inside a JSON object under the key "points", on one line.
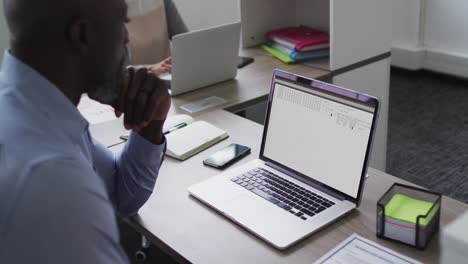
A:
{"points": [[358, 250]]}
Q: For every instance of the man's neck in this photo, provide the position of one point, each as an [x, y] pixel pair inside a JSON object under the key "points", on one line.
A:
{"points": [[60, 75]]}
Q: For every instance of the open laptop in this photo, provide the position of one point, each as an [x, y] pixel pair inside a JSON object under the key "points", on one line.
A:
{"points": [[204, 57], [312, 165]]}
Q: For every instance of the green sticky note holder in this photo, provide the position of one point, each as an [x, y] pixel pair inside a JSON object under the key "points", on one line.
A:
{"points": [[408, 215]]}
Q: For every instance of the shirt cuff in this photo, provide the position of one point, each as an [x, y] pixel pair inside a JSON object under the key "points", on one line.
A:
{"points": [[138, 146]]}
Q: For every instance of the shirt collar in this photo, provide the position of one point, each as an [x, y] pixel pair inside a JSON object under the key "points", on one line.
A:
{"points": [[44, 96]]}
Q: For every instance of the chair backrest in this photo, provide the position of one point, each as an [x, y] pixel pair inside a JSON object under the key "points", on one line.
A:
{"points": [[4, 33], [149, 38]]}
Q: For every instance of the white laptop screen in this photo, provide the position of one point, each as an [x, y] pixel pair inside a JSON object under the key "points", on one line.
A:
{"points": [[320, 135]]}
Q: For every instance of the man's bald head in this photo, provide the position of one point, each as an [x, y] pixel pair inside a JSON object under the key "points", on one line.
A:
{"points": [[80, 42], [34, 22]]}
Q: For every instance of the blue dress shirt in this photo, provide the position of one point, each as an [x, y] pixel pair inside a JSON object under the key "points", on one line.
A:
{"points": [[60, 189]]}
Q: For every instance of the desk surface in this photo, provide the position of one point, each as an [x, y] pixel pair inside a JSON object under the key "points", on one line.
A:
{"points": [[251, 85], [201, 235], [191, 231]]}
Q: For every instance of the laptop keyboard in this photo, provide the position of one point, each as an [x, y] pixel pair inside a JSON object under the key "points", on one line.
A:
{"points": [[283, 193]]}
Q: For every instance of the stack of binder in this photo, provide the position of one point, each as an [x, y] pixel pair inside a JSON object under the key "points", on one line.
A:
{"points": [[297, 44]]}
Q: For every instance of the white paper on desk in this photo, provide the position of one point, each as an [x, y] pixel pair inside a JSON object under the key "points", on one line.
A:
{"points": [[358, 250], [203, 104], [95, 112]]}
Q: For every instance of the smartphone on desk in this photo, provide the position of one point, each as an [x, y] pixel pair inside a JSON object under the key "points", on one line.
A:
{"points": [[227, 156]]}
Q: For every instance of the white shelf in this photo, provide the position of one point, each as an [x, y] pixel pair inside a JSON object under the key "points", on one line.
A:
{"points": [[358, 30], [201, 14], [360, 36]]}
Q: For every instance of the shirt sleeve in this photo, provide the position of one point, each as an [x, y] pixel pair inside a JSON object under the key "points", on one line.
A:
{"points": [[63, 215], [131, 175]]}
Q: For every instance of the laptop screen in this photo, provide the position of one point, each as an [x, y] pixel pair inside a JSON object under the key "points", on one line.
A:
{"points": [[322, 135]]}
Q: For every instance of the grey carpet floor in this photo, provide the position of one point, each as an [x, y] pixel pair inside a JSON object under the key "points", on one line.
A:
{"points": [[428, 131]]}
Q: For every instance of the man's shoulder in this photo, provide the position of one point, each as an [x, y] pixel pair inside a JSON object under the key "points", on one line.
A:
{"points": [[51, 173], [41, 183], [66, 171], [59, 187], [61, 209], [22, 120], [72, 181]]}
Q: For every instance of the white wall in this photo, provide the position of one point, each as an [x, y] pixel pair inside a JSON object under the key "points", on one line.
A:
{"points": [[431, 34], [140, 7], [4, 35], [199, 14], [446, 37], [447, 25], [407, 38], [405, 23]]}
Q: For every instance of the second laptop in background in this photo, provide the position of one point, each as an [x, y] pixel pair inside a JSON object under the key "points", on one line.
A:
{"points": [[204, 57]]}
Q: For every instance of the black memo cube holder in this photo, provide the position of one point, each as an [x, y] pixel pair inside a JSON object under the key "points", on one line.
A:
{"points": [[422, 234]]}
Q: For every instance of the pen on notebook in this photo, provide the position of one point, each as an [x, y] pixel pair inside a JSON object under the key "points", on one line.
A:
{"points": [[178, 126]]}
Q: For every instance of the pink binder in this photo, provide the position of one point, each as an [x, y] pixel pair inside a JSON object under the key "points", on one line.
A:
{"points": [[298, 38]]}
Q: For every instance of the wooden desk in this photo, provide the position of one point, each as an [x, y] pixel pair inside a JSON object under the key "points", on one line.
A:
{"points": [[192, 232], [198, 234], [251, 85]]}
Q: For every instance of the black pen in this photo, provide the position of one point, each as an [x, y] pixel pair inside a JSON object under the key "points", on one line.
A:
{"points": [[178, 126], [181, 125]]}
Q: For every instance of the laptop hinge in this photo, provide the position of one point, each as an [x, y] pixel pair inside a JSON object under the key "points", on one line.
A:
{"points": [[308, 182]]}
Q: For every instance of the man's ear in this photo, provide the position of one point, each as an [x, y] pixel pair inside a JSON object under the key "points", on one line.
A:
{"points": [[79, 35]]}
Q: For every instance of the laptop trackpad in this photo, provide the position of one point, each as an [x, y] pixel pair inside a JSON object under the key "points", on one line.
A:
{"points": [[263, 218]]}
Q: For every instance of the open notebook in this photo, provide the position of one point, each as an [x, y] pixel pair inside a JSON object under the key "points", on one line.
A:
{"points": [[186, 137]]}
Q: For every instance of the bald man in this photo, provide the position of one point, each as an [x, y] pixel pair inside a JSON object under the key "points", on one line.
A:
{"points": [[59, 188]]}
